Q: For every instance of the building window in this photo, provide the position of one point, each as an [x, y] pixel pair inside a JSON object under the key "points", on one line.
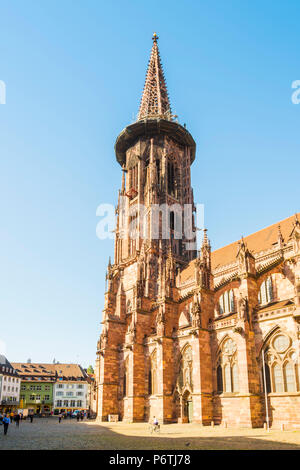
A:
{"points": [[266, 294], [289, 377], [171, 179], [58, 403], [235, 377], [66, 403], [278, 378], [226, 303], [219, 379], [227, 368], [280, 365], [32, 397], [79, 403], [72, 403], [47, 397]]}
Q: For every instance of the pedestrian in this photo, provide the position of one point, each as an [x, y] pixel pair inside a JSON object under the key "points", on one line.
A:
{"points": [[31, 417], [59, 417], [17, 419], [6, 422], [81, 416], [78, 417], [155, 424]]}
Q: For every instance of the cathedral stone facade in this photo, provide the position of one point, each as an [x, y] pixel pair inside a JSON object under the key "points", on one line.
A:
{"points": [[208, 337]]}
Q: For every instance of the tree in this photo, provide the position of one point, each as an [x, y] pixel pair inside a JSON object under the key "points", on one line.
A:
{"points": [[90, 370]]}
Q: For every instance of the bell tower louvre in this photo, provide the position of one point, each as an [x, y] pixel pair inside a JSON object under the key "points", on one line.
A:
{"points": [[190, 337]]}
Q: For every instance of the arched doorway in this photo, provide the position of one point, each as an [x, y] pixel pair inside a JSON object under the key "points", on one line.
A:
{"points": [[188, 407]]}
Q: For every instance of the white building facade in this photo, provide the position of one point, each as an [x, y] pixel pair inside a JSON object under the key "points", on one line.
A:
{"points": [[10, 385], [70, 395]]}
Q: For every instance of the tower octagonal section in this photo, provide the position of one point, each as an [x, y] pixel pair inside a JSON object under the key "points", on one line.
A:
{"points": [[149, 128]]}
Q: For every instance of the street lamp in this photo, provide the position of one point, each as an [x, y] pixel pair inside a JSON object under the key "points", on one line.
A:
{"points": [[265, 389]]}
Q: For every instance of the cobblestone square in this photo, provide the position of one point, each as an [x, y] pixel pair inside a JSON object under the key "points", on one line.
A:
{"points": [[70, 435]]}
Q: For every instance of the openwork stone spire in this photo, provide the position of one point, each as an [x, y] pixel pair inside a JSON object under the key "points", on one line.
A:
{"points": [[155, 100]]}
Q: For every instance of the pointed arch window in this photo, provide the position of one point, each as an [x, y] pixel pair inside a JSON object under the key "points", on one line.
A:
{"points": [[280, 365], [278, 379], [158, 169], [150, 382], [226, 303], [266, 294], [235, 377], [289, 377], [220, 379], [134, 178], [227, 376], [268, 378], [171, 178], [227, 368]]}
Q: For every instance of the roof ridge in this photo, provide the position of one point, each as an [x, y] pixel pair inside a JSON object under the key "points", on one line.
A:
{"points": [[257, 231]]}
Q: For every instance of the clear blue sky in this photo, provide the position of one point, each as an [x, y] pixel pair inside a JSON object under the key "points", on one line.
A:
{"points": [[74, 72]]}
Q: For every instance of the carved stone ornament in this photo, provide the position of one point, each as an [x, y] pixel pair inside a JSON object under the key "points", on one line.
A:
{"points": [[196, 315]]}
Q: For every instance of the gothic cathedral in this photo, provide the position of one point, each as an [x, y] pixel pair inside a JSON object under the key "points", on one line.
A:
{"points": [[208, 337]]}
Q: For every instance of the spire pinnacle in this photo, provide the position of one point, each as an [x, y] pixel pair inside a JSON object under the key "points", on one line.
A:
{"points": [[155, 100]]}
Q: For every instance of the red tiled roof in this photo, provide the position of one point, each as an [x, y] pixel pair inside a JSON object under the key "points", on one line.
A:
{"points": [[258, 241]]}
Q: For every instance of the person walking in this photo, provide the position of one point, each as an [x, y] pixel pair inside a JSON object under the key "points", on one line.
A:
{"points": [[59, 417], [17, 419], [78, 417], [81, 416], [6, 421], [31, 417], [155, 424]]}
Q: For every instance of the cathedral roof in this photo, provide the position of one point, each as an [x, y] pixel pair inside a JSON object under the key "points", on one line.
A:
{"points": [[258, 241], [262, 240]]}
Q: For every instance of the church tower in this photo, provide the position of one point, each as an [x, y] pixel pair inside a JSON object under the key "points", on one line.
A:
{"points": [[155, 238]]}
